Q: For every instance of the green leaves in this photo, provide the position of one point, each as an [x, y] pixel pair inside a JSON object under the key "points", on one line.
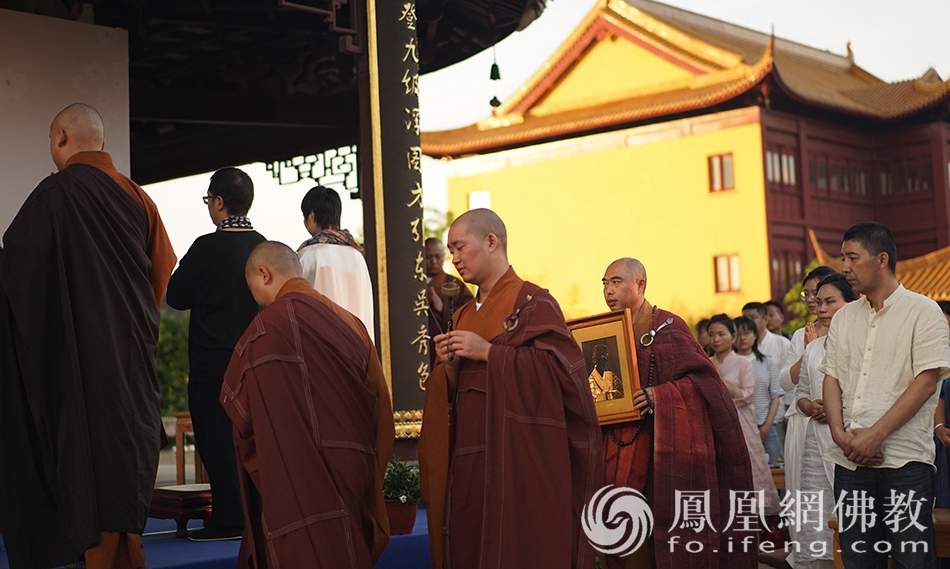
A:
{"points": [[173, 362], [402, 481]]}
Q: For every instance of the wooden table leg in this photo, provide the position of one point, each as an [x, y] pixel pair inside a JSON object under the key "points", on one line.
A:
{"points": [[182, 530], [179, 456]]}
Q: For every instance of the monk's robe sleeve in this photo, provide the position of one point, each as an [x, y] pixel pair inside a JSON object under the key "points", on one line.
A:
{"points": [[698, 446], [158, 246], [541, 424], [160, 251], [237, 405]]}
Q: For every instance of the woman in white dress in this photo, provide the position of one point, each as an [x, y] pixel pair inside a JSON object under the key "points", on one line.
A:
{"points": [[818, 475], [794, 418]]}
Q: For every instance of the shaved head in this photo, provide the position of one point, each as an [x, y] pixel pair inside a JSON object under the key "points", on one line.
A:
{"points": [[435, 256], [279, 258], [480, 222], [478, 242], [625, 283], [269, 266], [77, 128], [84, 123], [630, 267]]}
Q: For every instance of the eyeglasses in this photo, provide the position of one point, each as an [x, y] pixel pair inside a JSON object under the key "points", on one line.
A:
{"points": [[207, 199], [805, 295]]}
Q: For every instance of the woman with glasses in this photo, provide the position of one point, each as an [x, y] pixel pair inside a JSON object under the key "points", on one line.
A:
{"points": [[794, 419], [818, 475], [788, 375]]}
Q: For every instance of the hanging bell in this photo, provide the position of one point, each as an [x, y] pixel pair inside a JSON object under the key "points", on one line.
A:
{"points": [[495, 72], [495, 102]]}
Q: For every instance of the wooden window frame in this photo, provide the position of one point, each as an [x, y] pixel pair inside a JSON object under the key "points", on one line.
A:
{"points": [[731, 281], [716, 165]]}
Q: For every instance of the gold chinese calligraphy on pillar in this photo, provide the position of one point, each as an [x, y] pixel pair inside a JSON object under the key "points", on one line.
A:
{"points": [[398, 234]]}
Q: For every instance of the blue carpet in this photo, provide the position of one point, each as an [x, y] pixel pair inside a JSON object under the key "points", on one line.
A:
{"points": [[164, 551], [409, 551]]}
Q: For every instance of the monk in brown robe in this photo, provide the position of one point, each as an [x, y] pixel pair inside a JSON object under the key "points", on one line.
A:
{"points": [[688, 440], [313, 425], [83, 271], [438, 302], [505, 486]]}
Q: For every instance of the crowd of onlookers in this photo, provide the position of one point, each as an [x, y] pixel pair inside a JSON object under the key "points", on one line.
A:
{"points": [[777, 387]]}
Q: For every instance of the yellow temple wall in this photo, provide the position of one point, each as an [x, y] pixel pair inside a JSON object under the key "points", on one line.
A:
{"points": [[629, 68], [571, 207]]}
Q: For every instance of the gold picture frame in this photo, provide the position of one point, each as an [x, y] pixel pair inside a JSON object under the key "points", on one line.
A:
{"points": [[607, 343]]}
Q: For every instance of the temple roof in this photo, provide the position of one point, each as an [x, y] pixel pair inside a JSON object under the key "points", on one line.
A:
{"points": [[928, 274], [709, 62]]}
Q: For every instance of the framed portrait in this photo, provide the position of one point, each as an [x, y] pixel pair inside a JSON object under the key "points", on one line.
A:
{"points": [[607, 343]]}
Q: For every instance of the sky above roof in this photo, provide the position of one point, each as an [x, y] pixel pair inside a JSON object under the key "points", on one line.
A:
{"points": [[892, 40]]}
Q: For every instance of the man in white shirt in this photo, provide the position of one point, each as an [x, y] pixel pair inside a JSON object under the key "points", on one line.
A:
{"points": [[776, 347], [885, 356], [332, 260]]}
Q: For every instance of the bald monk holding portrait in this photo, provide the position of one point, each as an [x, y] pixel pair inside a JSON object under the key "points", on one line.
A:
{"points": [[313, 425], [505, 486], [83, 271], [688, 438]]}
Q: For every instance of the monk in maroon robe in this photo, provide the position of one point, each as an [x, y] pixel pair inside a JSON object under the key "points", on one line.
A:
{"points": [[688, 440], [506, 485], [438, 301], [313, 425], [82, 274]]}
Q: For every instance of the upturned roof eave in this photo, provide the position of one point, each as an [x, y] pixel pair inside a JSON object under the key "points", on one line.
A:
{"points": [[469, 140], [855, 111]]}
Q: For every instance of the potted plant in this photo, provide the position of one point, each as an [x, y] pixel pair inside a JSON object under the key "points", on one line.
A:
{"points": [[402, 493]]}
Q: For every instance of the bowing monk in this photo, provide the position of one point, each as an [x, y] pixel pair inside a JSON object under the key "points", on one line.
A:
{"points": [[688, 440], [83, 271], [313, 425], [505, 486]]}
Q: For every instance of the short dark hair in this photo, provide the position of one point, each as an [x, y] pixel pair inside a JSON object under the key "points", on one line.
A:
{"points": [[703, 325], [758, 307], [725, 321], [325, 205], [840, 282], [945, 306], [819, 272], [876, 239], [235, 188], [774, 303]]}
